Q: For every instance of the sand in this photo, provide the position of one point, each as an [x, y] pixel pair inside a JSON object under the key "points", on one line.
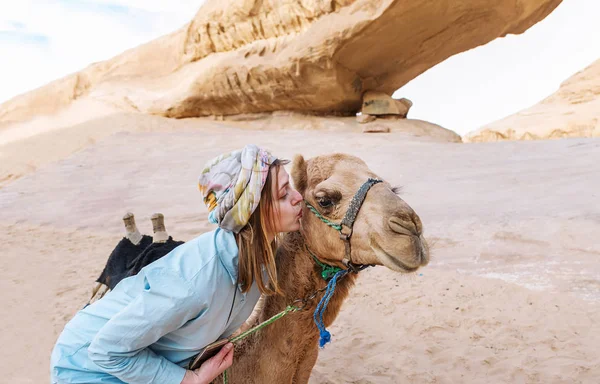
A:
{"points": [[511, 294]]}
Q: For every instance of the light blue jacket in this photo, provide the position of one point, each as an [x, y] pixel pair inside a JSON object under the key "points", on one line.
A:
{"points": [[149, 327]]}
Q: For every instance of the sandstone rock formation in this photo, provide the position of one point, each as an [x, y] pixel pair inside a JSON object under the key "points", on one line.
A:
{"points": [[364, 118], [376, 128], [380, 103], [573, 111], [244, 56]]}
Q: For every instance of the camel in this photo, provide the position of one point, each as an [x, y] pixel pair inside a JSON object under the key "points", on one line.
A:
{"points": [[387, 232]]}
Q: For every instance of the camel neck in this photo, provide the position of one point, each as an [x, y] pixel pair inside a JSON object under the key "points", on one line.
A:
{"points": [[327, 271], [299, 276]]}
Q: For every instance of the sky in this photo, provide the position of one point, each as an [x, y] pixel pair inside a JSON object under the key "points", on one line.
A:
{"points": [[44, 40]]}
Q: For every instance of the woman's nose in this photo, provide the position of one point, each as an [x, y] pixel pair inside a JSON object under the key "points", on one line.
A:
{"points": [[296, 197]]}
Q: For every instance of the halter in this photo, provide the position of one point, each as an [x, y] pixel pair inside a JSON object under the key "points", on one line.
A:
{"points": [[345, 227]]}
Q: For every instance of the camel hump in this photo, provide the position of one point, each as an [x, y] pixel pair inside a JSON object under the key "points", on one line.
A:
{"points": [[158, 226], [131, 231]]}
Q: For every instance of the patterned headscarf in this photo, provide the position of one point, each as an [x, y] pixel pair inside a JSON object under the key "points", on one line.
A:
{"points": [[231, 185]]}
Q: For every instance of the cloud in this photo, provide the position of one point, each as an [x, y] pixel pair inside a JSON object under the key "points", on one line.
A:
{"points": [[95, 6], [156, 6], [25, 38], [13, 32], [7, 25]]}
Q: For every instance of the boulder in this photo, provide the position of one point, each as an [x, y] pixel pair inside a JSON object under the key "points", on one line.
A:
{"points": [[404, 106], [376, 128], [364, 118], [380, 103]]}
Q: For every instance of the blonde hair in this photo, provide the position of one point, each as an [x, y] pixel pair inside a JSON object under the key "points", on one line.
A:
{"points": [[255, 251]]}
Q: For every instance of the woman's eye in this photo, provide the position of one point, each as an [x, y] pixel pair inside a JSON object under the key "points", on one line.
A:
{"points": [[325, 203]]}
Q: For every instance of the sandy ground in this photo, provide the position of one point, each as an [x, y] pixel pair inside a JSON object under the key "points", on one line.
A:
{"points": [[512, 294]]}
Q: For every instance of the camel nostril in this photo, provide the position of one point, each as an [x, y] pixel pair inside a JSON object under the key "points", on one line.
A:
{"points": [[418, 224], [403, 227]]}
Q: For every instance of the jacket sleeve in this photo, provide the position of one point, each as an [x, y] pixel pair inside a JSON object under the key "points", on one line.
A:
{"points": [[165, 304]]}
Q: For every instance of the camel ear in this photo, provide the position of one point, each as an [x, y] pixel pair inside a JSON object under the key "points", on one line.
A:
{"points": [[299, 176]]}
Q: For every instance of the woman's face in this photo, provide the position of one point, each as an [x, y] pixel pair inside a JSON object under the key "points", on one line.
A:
{"points": [[288, 208]]}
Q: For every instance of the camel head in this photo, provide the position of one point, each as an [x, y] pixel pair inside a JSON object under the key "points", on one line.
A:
{"points": [[386, 232]]}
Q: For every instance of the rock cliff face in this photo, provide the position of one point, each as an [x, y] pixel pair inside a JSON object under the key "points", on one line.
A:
{"points": [[244, 56], [573, 111]]}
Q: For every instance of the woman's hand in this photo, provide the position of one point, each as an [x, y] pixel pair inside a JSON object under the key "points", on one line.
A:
{"points": [[211, 368]]}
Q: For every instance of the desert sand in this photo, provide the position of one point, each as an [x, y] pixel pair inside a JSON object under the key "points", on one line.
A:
{"points": [[511, 294]]}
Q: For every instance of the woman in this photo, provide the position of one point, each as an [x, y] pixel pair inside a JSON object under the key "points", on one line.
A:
{"points": [[151, 325]]}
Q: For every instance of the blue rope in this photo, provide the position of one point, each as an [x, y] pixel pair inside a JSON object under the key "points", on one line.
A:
{"points": [[324, 335]]}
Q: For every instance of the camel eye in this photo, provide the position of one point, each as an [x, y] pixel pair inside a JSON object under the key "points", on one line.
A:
{"points": [[325, 203]]}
